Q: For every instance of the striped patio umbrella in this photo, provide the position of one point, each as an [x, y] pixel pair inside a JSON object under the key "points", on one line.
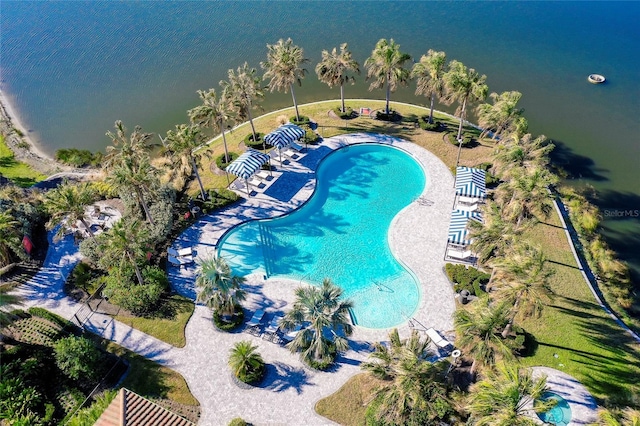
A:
{"points": [[247, 165], [470, 182], [283, 136], [458, 226]]}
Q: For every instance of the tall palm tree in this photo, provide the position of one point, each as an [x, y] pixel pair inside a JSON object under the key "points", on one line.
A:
{"points": [[10, 233], [333, 67], [245, 362], [245, 91], [386, 66], [503, 117], [67, 204], [503, 397], [181, 146], [515, 152], [124, 245], [526, 194], [625, 417], [415, 385], [283, 68], [491, 238], [522, 280], [217, 286], [480, 330], [429, 75], [128, 166], [324, 310], [213, 113], [465, 86]]}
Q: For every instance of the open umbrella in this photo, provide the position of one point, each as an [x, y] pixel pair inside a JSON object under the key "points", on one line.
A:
{"points": [[247, 165], [283, 136]]}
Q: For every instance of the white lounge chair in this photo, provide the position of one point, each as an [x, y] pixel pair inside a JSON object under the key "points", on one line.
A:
{"points": [[180, 261], [459, 254], [255, 319], [272, 329], [437, 339], [187, 251], [296, 147], [263, 174], [291, 334]]}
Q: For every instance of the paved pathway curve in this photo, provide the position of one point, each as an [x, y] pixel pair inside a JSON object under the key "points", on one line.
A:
{"points": [[289, 392]]}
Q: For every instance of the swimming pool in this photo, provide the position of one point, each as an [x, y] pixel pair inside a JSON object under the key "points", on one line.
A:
{"points": [[341, 234], [560, 414]]}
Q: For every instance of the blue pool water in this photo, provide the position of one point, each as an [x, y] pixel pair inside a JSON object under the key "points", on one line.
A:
{"points": [[559, 415], [341, 234]]}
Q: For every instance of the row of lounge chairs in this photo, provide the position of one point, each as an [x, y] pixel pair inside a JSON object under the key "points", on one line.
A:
{"points": [[271, 331], [180, 257]]}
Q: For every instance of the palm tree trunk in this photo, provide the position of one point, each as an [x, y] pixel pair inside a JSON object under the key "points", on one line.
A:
{"points": [[195, 169], [295, 104], [137, 269], [433, 97], [88, 228], [509, 326], [253, 128], [144, 205], [224, 141], [342, 97], [462, 111], [388, 94]]}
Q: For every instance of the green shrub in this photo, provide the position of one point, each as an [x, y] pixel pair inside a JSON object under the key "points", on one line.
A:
{"points": [[78, 157], [490, 180], [236, 320], [18, 400], [466, 139], [219, 198], [424, 124], [303, 120], [466, 278], [223, 164], [162, 212], [50, 316], [392, 116], [257, 144], [310, 137], [77, 357], [346, 115], [123, 291], [237, 422]]}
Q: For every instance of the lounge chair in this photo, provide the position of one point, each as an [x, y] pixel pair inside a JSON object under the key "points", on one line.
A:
{"points": [[271, 332], [255, 182], [296, 147], [459, 254], [180, 261], [253, 326], [263, 174], [438, 340], [365, 112], [183, 252], [291, 334]]}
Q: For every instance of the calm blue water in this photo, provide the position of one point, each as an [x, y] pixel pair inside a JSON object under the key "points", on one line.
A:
{"points": [[559, 415], [72, 68], [341, 234]]}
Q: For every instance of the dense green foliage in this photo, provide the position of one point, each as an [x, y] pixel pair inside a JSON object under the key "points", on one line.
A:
{"points": [[246, 363], [223, 164], [347, 114], [467, 139], [89, 415], [132, 296], [424, 124], [467, 278], [257, 144], [77, 357], [218, 199], [78, 157], [302, 121]]}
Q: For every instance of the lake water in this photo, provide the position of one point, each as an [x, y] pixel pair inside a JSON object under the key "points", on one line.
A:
{"points": [[71, 69]]}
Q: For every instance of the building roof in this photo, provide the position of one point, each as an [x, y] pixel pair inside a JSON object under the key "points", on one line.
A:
{"points": [[130, 409]]}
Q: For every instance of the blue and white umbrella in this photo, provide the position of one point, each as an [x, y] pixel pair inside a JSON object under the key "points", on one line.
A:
{"points": [[247, 164], [458, 226], [283, 136], [470, 182]]}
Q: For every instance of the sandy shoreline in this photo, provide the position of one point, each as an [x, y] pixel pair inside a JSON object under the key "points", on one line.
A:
{"points": [[34, 156]]}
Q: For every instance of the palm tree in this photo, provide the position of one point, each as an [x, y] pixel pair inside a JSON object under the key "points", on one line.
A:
{"points": [[333, 67], [247, 364], [128, 165], [429, 75], [10, 233], [503, 398], [465, 86], [217, 286], [181, 146], [415, 385], [67, 204], [526, 194], [491, 238], [625, 417], [124, 245], [517, 152], [213, 113], [386, 66], [480, 330], [323, 309], [7, 299], [283, 68], [245, 91], [503, 116], [522, 280]]}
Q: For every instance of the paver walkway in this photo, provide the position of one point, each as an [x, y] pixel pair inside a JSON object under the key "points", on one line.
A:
{"points": [[288, 394]]}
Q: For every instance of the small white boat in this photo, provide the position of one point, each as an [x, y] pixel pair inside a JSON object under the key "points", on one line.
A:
{"points": [[596, 78]]}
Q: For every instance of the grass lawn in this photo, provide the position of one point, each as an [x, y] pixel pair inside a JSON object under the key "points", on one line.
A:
{"points": [[575, 335], [169, 325], [19, 173], [348, 405]]}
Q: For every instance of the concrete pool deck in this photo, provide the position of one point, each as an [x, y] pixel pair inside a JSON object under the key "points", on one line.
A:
{"points": [[417, 237]]}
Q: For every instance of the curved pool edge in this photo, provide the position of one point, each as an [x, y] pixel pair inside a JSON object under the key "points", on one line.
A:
{"points": [[436, 305]]}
